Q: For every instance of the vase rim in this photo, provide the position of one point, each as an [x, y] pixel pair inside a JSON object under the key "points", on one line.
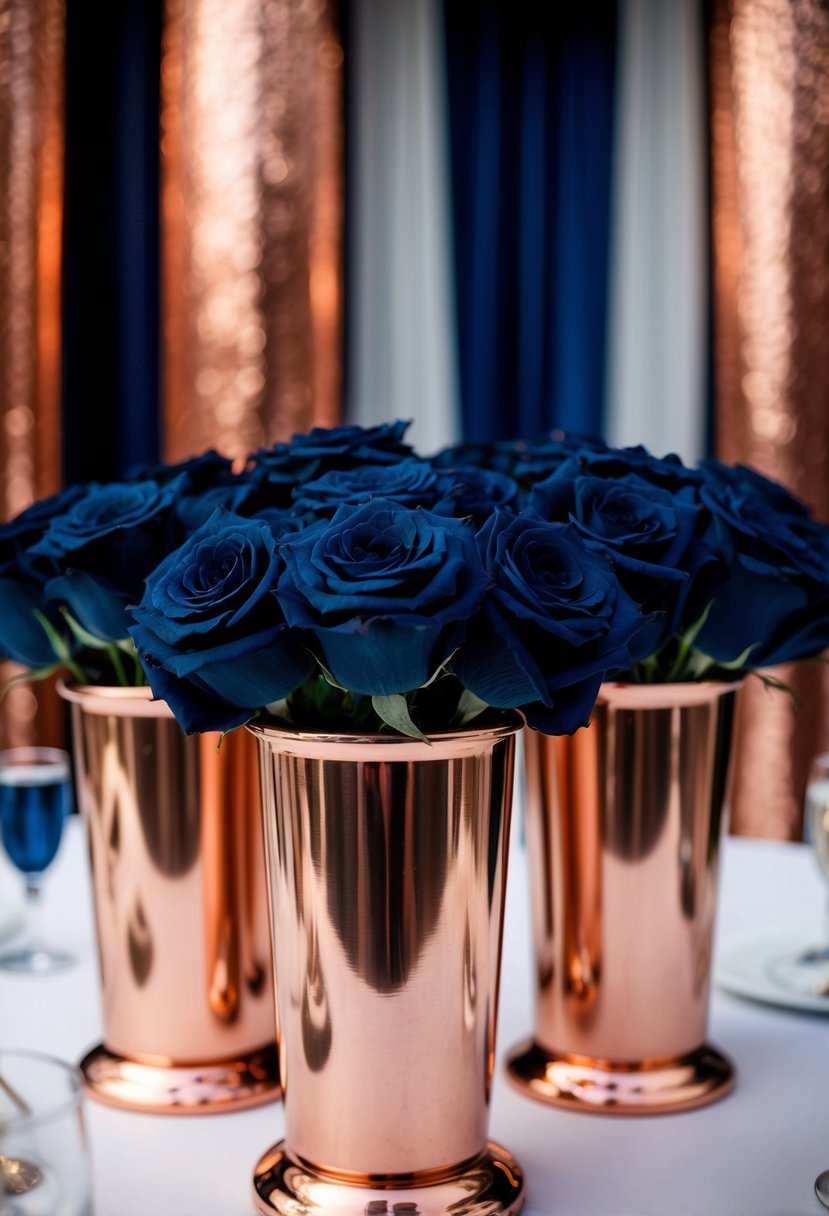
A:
{"points": [[665, 696], [342, 745], [112, 698]]}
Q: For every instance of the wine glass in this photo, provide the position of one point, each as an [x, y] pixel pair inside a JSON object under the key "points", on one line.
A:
{"points": [[35, 797]]}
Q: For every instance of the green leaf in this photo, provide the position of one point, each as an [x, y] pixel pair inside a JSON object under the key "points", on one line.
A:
{"points": [[83, 635], [693, 631], [233, 729], [327, 676], [117, 666], [469, 707], [443, 670], [699, 664], [57, 643], [739, 663], [394, 711], [61, 650], [677, 670]]}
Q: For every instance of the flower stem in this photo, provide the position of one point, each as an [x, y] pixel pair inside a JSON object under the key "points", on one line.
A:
{"points": [[118, 666]]}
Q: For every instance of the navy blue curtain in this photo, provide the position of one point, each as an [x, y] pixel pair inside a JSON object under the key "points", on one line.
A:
{"points": [[111, 238], [531, 93]]}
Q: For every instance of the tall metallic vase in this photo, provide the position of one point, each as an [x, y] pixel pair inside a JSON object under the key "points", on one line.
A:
{"points": [[180, 907], [388, 862], [623, 830]]}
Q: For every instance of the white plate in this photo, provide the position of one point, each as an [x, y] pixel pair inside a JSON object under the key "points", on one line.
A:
{"points": [[754, 966], [11, 919]]}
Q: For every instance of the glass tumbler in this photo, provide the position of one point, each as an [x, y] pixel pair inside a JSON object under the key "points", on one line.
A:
{"points": [[44, 1160]]}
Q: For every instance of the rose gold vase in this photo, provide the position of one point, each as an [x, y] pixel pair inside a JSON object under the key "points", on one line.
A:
{"points": [[623, 829], [387, 861], [180, 899]]}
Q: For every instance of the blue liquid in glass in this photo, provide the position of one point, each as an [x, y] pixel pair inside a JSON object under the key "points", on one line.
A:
{"points": [[33, 806]]}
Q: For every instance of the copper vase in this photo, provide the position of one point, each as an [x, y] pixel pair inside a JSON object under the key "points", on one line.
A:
{"points": [[387, 863], [623, 829], [180, 900]]}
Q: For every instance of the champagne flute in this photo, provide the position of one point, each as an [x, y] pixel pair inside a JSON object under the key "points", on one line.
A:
{"points": [[35, 797]]}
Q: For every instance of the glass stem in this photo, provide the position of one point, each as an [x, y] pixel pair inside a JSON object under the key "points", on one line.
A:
{"points": [[34, 911]]}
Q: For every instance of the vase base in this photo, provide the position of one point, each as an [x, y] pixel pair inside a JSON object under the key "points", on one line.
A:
{"points": [[655, 1087], [491, 1185], [182, 1089]]}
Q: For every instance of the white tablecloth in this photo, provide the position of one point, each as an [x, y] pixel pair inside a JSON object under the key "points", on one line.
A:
{"points": [[756, 1152]]}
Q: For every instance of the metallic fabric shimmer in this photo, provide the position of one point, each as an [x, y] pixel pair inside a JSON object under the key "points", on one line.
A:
{"points": [[770, 179], [31, 208], [252, 210]]}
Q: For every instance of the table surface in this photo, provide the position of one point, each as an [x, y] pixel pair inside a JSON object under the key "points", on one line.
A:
{"points": [[757, 1152]]}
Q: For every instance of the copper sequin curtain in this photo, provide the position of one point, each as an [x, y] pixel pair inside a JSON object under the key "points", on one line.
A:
{"points": [[31, 207], [252, 210], [770, 128]]}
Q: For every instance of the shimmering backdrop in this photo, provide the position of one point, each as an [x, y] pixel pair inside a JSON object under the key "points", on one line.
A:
{"points": [[31, 211], [252, 197], [244, 217], [770, 150]]}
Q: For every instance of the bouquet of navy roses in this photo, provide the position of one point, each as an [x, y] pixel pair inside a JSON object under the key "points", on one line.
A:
{"points": [[342, 582]]}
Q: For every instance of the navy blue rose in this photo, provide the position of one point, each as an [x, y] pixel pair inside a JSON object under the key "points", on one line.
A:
{"points": [[553, 626], [525, 462], [660, 543], [596, 460], [479, 492], [381, 444], [203, 483], [23, 608], [104, 545], [209, 631], [280, 520], [386, 591], [23, 578], [775, 599], [411, 482], [497, 455], [279, 469], [539, 458], [19, 535], [196, 473]]}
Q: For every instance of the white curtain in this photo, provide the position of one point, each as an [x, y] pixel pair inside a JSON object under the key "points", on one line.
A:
{"points": [[402, 356], [658, 332]]}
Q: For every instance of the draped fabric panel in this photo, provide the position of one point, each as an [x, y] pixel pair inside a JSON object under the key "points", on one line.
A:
{"points": [[658, 359], [110, 267], [252, 212], [32, 48], [402, 341], [770, 124], [531, 94]]}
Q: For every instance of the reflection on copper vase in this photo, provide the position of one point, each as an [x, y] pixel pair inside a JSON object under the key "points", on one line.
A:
{"points": [[387, 863], [180, 899], [623, 828]]}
